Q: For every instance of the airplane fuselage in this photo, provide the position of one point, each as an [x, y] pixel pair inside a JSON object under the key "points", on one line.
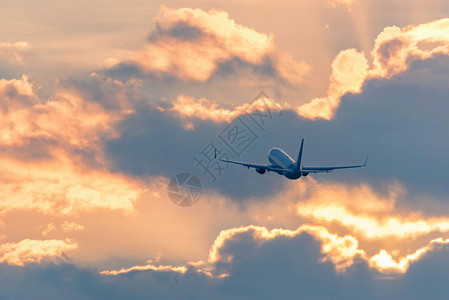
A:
{"points": [[282, 160]]}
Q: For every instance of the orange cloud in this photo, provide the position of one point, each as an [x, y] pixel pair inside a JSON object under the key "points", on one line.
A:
{"points": [[364, 213], [14, 50], [71, 226], [67, 118], [61, 183], [350, 222], [191, 43], [49, 228], [16, 94], [384, 262], [34, 251], [150, 266], [367, 216], [349, 72], [62, 187], [394, 46], [70, 176], [340, 250], [393, 50], [204, 109]]}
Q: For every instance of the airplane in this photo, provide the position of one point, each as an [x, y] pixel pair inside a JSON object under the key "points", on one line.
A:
{"points": [[283, 164]]}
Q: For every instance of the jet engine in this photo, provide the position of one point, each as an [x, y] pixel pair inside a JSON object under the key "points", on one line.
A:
{"points": [[261, 170], [305, 174]]}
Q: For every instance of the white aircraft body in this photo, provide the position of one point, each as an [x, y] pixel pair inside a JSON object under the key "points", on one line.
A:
{"points": [[283, 164]]}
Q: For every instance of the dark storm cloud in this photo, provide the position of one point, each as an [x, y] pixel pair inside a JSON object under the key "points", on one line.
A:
{"points": [[403, 124], [287, 268], [283, 268], [427, 277]]}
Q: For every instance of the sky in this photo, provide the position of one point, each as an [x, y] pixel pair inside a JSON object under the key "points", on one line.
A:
{"points": [[103, 103]]}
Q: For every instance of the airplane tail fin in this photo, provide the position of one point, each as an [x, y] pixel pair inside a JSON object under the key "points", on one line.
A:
{"points": [[298, 161]]}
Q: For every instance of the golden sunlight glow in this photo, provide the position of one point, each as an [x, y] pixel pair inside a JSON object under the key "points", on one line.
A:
{"points": [[340, 250], [363, 215], [349, 71], [150, 266], [59, 187], [68, 119], [60, 182], [56, 164], [205, 109], [359, 215], [34, 251], [384, 262], [209, 39], [393, 49], [394, 46]]}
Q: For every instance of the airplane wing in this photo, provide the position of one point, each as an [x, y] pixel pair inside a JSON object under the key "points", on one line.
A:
{"points": [[255, 166], [327, 169]]}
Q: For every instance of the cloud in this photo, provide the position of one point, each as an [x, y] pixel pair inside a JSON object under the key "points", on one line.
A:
{"points": [[385, 262], [47, 146], [351, 223], [55, 164], [349, 72], [67, 118], [191, 44], [61, 187], [14, 50], [71, 226], [380, 121], [395, 46], [343, 250], [340, 250], [16, 93], [204, 109], [373, 218], [394, 49], [283, 268], [149, 266], [370, 217], [49, 228], [347, 3], [34, 251]]}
